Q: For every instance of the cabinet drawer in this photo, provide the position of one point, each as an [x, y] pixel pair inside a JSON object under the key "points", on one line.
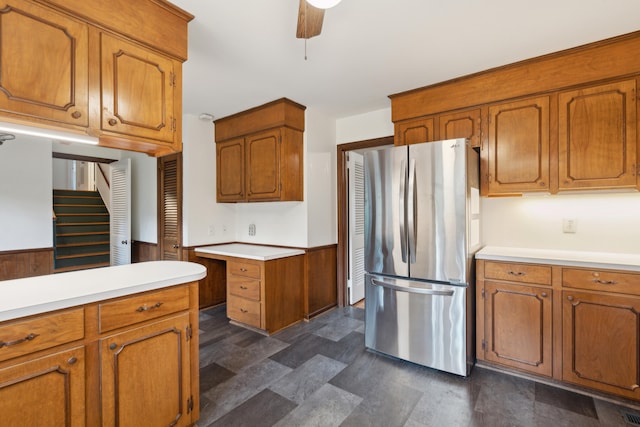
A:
{"points": [[144, 307], [238, 268], [244, 311], [39, 333], [244, 287], [513, 272], [601, 280]]}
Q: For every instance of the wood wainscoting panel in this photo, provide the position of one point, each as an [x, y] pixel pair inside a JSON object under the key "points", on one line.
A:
{"points": [[213, 288], [144, 251], [320, 282], [26, 263]]}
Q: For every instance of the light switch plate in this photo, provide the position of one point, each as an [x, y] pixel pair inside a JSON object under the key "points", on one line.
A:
{"points": [[569, 225]]}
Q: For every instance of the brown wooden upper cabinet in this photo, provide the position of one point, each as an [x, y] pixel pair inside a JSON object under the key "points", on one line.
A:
{"points": [[597, 142], [415, 131], [518, 148], [259, 154], [44, 68], [565, 121], [94, 73], [137, 91], [462, 124]]}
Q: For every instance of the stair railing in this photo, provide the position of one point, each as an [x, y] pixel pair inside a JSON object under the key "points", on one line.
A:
{"points": [[103, 186]]}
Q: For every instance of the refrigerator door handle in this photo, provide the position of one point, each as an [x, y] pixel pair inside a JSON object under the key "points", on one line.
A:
{"points": [[411, 289], [402, 211], [411, 211]]}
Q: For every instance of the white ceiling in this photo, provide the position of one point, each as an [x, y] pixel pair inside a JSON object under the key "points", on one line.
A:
{"points": [[243, 53]]}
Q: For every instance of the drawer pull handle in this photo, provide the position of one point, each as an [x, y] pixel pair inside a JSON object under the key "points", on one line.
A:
{"points": [[145, 307], [516, 273], [242, 310], [604, 282], [244, 288], [29, 337], [243, 269]]}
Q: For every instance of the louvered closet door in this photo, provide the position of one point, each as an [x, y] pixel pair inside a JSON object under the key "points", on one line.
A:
{"points": [[170, 204], [120, 214], [355, 279]]}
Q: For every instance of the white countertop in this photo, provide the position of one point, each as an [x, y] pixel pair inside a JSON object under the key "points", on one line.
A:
{"points": [[35, 295], [617, 261], [257, 252]]}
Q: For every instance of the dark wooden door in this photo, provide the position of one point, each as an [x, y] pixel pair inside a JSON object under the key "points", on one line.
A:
{"points": [[170, 206]]}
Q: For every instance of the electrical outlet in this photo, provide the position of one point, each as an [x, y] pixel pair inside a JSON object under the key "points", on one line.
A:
{"points": [[252, 229], [569, 225]]}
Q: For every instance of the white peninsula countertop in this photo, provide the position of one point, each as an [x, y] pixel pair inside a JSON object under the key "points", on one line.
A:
{"points": [[35, 295], [243, 250], [607, 260]]}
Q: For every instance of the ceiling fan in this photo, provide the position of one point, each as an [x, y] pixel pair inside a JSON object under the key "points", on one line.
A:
{"points": [[310, 17]]}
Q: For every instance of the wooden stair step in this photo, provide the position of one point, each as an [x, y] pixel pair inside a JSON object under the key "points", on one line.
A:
{"points": [[78, 244], [81, 267], [82, 255], [66, 224], [88, 233]]}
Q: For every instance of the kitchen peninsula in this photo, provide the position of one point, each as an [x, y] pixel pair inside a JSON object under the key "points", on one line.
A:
{"points": [[94, 346]]}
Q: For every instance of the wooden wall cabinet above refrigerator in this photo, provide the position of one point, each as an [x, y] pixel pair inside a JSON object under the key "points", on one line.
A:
{"points": [[259, 154], [76, 66], [565, 121]]}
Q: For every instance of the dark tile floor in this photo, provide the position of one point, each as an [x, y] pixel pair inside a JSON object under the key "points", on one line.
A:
{"points": [[319, 374]]}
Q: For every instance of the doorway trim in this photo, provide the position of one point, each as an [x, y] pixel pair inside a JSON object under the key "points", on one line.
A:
{"points": [[343, 236]]}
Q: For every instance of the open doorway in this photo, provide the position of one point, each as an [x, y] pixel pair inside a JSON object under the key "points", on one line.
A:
{"points": [[350, 268]]}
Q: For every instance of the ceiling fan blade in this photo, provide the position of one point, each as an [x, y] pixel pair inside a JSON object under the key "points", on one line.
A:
{"points": [[309, 21]]}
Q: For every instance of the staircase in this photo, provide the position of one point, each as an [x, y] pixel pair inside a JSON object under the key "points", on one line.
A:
{"points": [[81, 230]]}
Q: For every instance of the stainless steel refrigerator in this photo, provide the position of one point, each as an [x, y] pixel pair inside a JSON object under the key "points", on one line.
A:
{"points": [[422, 228]]}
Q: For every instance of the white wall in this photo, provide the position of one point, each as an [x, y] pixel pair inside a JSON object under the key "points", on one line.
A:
{"points": [[26, 194], [144, 197], [204, 221], [606, 222], [375, 124]]}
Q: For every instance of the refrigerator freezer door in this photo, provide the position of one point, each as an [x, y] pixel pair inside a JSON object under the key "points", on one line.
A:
{"points": [[385, 241], [420, 322], [437, 187]]}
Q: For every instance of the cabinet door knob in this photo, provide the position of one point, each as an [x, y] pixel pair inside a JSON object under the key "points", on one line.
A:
{"points": [[175, 246], [113, 346], [570, 298], [112, 122], [76, 114], [72, 360], [544, 294], [124, 242]]}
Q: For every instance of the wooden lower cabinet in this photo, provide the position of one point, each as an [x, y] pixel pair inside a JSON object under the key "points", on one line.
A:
{"points": [[129, 361], [266, 295], [576, 325], [518, 327], [601, 347], [47, 391], [145, 375]]}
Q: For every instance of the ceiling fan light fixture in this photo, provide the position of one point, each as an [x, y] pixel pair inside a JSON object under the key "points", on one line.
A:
{"points": [[323, 4]]}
